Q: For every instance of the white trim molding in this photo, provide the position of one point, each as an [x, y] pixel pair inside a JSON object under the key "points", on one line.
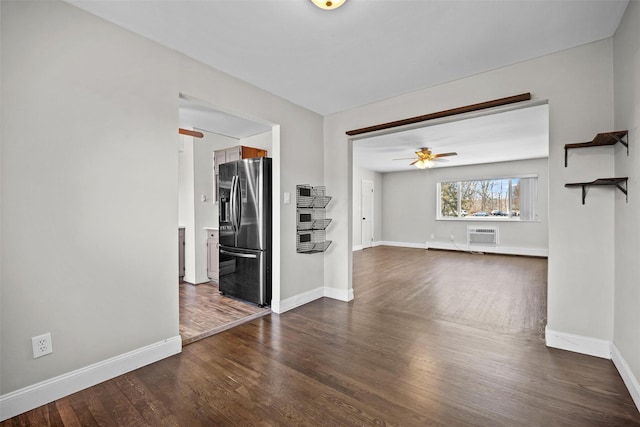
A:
{"points": [[496, 249], [403, 244], [577, 343], [339, 294], [312, 295], [373, 245], [298, 300], [463, 247], [627, 375], [33, 396]]}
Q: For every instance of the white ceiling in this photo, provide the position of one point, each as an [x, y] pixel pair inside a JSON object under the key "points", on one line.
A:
{"points": [[511, 135], [194, 114], [367, 50]]}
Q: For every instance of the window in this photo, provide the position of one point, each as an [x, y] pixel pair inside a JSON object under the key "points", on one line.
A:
{"points": [[505, 198]]}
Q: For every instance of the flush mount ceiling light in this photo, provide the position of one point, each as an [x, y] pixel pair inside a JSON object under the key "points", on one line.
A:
{"points": [[328, 4]]}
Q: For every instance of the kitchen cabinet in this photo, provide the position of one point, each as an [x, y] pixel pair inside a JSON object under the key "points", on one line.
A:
{"points": [[236, 153], [212, 254], [250, 152], [180, 253], [230, 155]]}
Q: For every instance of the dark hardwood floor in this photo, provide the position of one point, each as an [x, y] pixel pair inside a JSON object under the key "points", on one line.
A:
{"points": [[432, 338], [204, 312]]}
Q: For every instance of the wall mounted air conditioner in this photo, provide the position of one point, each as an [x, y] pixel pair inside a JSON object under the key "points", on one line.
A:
{"points": [[482, 235]]}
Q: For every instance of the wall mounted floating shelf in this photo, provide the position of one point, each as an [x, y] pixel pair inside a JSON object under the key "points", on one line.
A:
{"points": [[601, 139], [617, 182]]}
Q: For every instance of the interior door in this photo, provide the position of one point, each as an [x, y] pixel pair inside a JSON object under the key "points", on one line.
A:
{"points": [[367, 213]]}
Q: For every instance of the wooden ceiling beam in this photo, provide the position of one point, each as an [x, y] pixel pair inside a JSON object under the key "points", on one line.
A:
{"points": [[445, 113], [188, 132]]}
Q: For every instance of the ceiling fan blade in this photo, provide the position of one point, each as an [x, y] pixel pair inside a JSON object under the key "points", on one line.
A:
{"points": [[414, 162], [437, 159], [444, 155], [405, 158]]}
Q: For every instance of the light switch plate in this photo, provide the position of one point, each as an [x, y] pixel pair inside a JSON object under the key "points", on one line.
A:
{"points": [[287, 197]]}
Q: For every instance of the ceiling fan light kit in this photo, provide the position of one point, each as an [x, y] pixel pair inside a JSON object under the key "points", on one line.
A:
{"points": [[328, 4], [423, 164], [425, 158]]}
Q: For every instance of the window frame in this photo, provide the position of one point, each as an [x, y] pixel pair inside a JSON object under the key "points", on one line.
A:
{"points": [[509, 218]]}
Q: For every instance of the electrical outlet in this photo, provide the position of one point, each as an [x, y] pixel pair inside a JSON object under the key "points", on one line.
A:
{"points": [[433, 236], [42, 345], [452, 237]]}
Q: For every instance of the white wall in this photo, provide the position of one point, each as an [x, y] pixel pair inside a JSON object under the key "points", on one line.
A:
{"points": [[90, 186], [409, 206], [579, 86], [626, 55], [205, 213], [360, 174], [186, 204], [185, 179]]}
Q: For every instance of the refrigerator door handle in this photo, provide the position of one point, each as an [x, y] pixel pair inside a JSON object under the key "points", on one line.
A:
{"points": [[232, 204], [238, 204], [235, 254]]}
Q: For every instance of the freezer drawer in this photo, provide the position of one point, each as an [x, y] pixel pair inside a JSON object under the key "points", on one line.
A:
{"points": [[243, 274]]}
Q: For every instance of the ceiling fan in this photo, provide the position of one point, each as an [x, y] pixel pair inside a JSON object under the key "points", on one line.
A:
{"points": [[425, 158]]}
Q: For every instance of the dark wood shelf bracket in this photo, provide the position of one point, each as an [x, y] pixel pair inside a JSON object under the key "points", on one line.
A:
{"points": [[616, 182], [601, 139]]}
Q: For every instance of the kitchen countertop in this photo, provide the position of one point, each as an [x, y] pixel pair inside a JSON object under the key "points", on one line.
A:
{"points": [[211, 228]]}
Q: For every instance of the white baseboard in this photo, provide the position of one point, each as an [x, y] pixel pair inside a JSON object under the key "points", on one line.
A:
{"points": [[402, 244], [499, 249], [312, 295], [627, 376], [463, 247], [339, 294], [300, 299], [275, 306], [33, 396], [360, 247], [578, 344]]}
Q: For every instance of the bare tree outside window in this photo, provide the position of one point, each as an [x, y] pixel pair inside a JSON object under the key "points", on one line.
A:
{"points": [[508, 198]]}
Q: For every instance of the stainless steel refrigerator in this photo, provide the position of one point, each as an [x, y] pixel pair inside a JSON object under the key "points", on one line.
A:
{"points": [[245, 229]]}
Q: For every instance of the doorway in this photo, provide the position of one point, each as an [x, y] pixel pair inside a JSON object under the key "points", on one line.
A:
{"points": [[367, 196], [203, 311], [477, 148]]}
